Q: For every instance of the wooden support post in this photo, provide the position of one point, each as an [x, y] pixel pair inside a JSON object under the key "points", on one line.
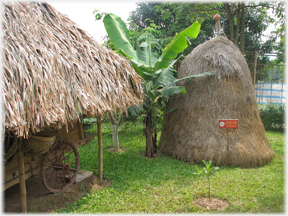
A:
{"points": [[59, 135], [22, 177], [100, 150], [254, 68], [81, 129]]}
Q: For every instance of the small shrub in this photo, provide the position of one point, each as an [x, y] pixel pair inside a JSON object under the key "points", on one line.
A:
{"points": [[272, 116]]}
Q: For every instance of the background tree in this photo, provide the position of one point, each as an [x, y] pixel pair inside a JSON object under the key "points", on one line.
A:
{"points": [[243, 23], [280, 13], [255, 19], [115, 120], [173, 18]]}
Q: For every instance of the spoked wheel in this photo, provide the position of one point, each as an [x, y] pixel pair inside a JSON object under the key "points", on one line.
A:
{"points": [[60, 167]]}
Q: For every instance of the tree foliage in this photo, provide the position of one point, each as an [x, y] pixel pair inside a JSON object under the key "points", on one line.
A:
{"points": [[280, 13], [174, 16]]}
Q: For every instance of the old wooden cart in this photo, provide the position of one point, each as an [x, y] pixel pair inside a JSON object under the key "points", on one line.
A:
{"points": [[52, 153]]}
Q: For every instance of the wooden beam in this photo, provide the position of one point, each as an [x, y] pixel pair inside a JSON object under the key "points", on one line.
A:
{"points": [[81, 129], [100, 149], [22, 177], [59, 135], [85, 141], [28, 174], [14, 173]]}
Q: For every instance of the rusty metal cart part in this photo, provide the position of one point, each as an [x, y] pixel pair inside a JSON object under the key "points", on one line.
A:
{"points": [[60, 167]]}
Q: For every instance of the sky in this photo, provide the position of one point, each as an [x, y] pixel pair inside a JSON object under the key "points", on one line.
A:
{"points": [[81, 12]]}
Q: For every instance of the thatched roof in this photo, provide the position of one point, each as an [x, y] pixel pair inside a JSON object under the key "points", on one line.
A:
{"points": [[53, 70], [193, 133]]}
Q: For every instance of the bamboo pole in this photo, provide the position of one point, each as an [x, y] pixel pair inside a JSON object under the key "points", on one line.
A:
{"points": [[100, 150], [254, 67], [22, 177], [242, 40]]}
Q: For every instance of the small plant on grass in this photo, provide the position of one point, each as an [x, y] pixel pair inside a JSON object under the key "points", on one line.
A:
{"points": [[207, 171], [82, 188]]}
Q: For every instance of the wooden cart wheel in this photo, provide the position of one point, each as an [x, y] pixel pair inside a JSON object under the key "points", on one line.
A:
{"points": [[60, 166]]}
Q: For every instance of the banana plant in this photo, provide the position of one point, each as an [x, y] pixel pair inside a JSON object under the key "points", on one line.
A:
{"points": [[156, 71]]}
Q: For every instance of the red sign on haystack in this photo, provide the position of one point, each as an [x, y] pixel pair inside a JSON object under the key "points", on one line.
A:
{"points": [[228, 123]]}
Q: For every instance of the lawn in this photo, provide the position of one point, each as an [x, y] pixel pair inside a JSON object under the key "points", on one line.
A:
{"points": [[167, 185]]}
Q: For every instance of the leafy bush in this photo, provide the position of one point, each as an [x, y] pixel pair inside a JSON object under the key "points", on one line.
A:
{"points": [[272, 116], [90, 120]]}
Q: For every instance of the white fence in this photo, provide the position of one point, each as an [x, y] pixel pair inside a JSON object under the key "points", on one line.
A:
{"points": [[270, 93]]}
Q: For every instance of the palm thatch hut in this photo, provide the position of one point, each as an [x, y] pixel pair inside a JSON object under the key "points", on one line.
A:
{"points": [[193, 133], [53, 72]]}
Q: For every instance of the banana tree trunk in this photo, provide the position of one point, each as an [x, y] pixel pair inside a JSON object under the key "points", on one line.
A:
{"points": [[150, 139], [155, 140]]}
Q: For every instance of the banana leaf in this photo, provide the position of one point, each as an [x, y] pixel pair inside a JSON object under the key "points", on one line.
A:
{"points": [[145, 52], [177, 45], [119, 34]]}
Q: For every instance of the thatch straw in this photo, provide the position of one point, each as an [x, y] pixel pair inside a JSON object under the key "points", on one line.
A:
{"points": [[193, 133], [53, 70]]}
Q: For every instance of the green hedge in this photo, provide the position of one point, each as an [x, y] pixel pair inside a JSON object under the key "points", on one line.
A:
{"points": [[273, 116]]}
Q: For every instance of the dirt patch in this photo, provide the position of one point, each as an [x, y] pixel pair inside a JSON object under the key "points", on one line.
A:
{"points": [[155, 156], [121, 150], [39, 199], [214, 204]]}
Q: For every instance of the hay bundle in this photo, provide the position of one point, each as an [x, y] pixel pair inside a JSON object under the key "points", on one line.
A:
{"points": [[193, 133]]}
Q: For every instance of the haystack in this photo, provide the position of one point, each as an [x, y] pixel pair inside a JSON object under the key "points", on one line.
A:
{"points": [[193, 133], [53, 71]]}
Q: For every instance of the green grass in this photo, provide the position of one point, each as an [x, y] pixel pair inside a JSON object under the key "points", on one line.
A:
{"points": [[167, 185]]}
